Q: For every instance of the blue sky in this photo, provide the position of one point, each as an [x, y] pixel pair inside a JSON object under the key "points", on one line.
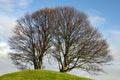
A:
{"points": [[103, 14]]}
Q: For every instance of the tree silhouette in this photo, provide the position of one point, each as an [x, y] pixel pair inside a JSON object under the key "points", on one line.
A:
{"points": [[62, 32], [77, 44]]}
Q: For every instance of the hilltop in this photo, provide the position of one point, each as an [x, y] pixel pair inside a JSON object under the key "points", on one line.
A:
{"points": [[40, 75]]}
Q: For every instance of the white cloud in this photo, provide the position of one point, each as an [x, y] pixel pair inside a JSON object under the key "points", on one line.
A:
{"points": [[5, 1], [115, 34], [115, 49], [6, 24], [13, 5], [8, 15], [97, 21], [4, 49], [6, 64], [6, 5], [24, 2]]}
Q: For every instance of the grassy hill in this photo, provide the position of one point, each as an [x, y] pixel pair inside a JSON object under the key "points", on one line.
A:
{"points": [[40, 75]]}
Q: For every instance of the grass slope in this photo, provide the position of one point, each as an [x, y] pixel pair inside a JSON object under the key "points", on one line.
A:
{"points": [[40, 75]]}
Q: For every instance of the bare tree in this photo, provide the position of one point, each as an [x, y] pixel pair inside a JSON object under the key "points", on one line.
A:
{"points": [[66, 33], [22, 43], [43, 27], [31, 39], [77, 44]]}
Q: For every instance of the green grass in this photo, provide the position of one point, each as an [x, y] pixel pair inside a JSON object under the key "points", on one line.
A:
{"points": [[40, 75]]}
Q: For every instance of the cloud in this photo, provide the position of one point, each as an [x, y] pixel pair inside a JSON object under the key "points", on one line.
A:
{"points": [[113, 37], [8, 15], [4, 49], [24, 2], [10, 9], [97, 21], [7, 65], [13, 5], [5, 1], [115, 34], [6, 24], [115, 52], [9, 6]]}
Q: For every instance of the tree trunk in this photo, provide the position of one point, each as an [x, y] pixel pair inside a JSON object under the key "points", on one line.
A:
{"points": [[64, 69], [40, 62], [35, 65]]}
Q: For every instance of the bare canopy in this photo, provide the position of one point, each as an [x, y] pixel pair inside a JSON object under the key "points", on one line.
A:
{"points": [[31, 39], [62, 32], [77, 44]]}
